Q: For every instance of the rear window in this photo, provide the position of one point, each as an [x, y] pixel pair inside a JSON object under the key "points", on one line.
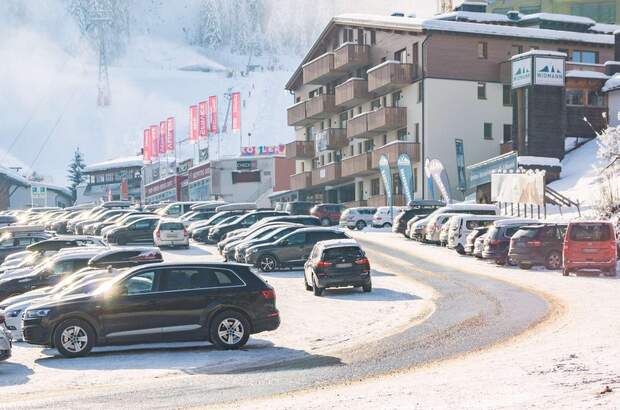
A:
{"points": [[171, 226], [347, 252], [526, 233], [511, 231], [590, 232]]}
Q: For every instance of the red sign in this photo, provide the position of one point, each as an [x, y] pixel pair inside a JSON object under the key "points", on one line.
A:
{"points": [[203, 132], [124, 189], [193, 124], [162, 137], [199, 172], [170, 139], [213, 114], [154, 141], [236, 112], [146, 146]]}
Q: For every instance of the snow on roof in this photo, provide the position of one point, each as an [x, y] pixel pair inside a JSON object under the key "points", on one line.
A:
{"points": [[351, 79], [9, 173], [612, 84], [542, 161], [560, 18], [473, 16], [125, 162], [604, 28], [587, 74], [539, 53]]}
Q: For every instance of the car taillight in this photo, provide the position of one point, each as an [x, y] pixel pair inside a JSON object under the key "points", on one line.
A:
{"points": [[494, 242], [158, 233], [323, 264], [268, 294], [534, 244], [361, 261]]}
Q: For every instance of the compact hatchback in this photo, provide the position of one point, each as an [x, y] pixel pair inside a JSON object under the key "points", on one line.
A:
{"points": [[171, 233], [538, 245], [357, 218], [329, 214], [337, 263], [221, 303], [590, 245]]}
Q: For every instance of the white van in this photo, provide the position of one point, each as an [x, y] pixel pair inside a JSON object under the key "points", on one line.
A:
{"points": [[434, 225], [460, 208], [382, 217], [463, 224]]}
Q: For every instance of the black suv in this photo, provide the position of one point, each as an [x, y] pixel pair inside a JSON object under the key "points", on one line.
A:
{"points": [[538, 245], [291, 250], [221, 303], [200, 230], [243, 221], [417, 208], [140, 231], [299, 207]]}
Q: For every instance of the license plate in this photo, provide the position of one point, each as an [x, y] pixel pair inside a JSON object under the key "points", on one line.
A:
{"points": [[343, 265], [590, 250]]}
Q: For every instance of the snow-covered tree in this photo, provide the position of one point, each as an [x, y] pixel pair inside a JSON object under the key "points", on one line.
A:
{"points": [[75, 172]]}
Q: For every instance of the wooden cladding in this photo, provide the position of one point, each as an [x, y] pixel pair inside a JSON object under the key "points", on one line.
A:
{"points": [[321, 106], [350, 56], [325, 174], [332, 138], [357, 165], [302, 180], [300, 149], [296, 115], [393, 151], [352, 92], [321, 70], [389, 77], [387, 119], [357, 126]]}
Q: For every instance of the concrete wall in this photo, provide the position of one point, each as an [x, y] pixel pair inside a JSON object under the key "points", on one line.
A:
{"points": [[613, 100]]}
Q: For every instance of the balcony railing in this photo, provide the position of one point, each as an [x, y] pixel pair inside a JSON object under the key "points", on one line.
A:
{"points": [[357, 127], [506, 147], [381, 200], [331, 139], [387, 119], [357, 165], [352, 92], [390, 76], [301, 180], [321, 70], [393, 151], [350, 56], [321, 106], [300, 149], [326, 174], [296, 115]]}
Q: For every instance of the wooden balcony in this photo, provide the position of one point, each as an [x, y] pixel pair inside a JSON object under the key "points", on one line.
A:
{"points": [[390, 76], [300, 149], [331, 139], [352, 92], [393, 151], [321, 70], [506, 147], [381, 200], [320, 107], [296, 115], [350, 56], [326, 174], [302, 180], [357, 127], [357, 165], [387, 119], [355, 204]]}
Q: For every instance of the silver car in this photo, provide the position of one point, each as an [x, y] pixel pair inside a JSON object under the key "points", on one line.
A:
{"points": [[5, 340]]}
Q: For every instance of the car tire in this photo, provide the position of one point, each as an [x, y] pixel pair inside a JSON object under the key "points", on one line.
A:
{"points": [[317, 290], [360, 225], [611, 271], [121, 241], [510, 261], [525, 266], [229, 330], [553, 260], [460, 250], [267, 263], [74, 338], [325, 222], [367, 287], [308, 287], [386, 225]]}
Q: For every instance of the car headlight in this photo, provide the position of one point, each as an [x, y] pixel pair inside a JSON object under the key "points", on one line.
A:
{"points": [[37, 313], [13, 313]]}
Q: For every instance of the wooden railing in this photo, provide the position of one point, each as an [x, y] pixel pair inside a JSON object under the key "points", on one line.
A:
{"points": [[302, 180], [300, 149], [296, 114], [350, 56], [325, 174], [352, 92], [387, 119], [393, 151], [321, 106], [357, 165], [390, 76]]}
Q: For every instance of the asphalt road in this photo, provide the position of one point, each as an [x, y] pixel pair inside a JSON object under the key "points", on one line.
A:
{"points": [[472, 312]]}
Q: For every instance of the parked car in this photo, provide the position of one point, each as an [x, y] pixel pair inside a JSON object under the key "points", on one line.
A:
{"points": [[85, 226], [227, 246], [16, 241], [299, 207], [176, 208], [215, 219], [92, 227], [590, 245], [462, 225], [194, 216], [539, 244], [124, 220], [222, 303], [479, 244], [384, 216], [357, 218], [5, 341], [497, 242], [417, 230], [409, 230], [434, 225], [328, 214], [202, 234], [443, 234], [136, 232], [337, 263], [170, 233], [275, 234], [416, 208], [243, 221], [471, 239], [290, 250], [6, 220]]}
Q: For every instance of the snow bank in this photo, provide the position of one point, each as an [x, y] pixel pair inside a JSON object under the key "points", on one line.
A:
{"points": [[541, 161], [597, 75]]}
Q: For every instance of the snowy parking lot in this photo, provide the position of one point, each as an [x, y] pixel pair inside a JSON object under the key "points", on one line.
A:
{"points": [[340, 320]]}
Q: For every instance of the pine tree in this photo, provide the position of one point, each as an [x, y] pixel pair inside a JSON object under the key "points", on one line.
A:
{"points": [[76, 172]]}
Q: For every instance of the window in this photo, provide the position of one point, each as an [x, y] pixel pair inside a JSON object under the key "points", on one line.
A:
{"points": [[401, 55], [420, 91], [529, 9], [343, 120], [360, 36], [507, 132], [488, 131], [397, 99], [384, 139], [368, 146], [374, 187], [585, 56], [574, 97], [596, 98], [507, 95], [416, 132], [352, 150], [373, 37], [590, 232], [141, 283], [296, 239], [482, 91], [414, 57], [375, 104], [482, 50], [347, 35], [196, 278], [145, 224], [401, 134]]}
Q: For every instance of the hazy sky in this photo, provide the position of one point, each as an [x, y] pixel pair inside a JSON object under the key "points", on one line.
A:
{"points": [[420, 7]]}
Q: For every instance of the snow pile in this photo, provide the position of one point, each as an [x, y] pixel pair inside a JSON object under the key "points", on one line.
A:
{"points": [[540, 161], [124, 162], [597, 75], [612, 84], [559, 18]]}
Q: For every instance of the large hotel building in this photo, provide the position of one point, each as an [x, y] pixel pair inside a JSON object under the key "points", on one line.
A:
{"points": [[373, 85]]}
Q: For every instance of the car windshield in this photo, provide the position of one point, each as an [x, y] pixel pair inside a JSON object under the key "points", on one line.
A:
{"points": [[590, 232]]}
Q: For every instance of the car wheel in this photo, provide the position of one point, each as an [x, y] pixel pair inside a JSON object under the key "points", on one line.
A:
{"points": [[74, 338], [387, 225], [367, 287], [317, 290], [525, 266], [308, 287], [611, 271], [460, 250], [229, 330], [325, 222], [360, 225], [500, 261], [121, 241], [510, 261], [267, 263], [554, 260]]}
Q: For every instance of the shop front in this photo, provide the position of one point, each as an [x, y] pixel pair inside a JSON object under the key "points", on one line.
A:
{"points": [[199, 179], [164, 190]]}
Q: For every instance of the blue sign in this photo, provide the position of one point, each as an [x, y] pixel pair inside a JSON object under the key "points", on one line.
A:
{"points": [[460, 165], [480, 173], [406, 176], [386, 174]]}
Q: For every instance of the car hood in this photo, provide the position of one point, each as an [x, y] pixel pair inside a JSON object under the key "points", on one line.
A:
{"points": [[23, 304], [50, 303], [33, 294], [17, 278], [12, 273]]}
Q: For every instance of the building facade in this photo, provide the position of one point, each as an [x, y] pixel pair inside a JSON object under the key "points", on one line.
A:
{"points": [[386, 85], [108, 179]]}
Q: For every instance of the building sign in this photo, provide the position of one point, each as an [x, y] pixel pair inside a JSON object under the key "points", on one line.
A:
{"points": [[38, 192], [549, 71], [184, 166], [480, 173], [406, 176], [199, 172], [161, 186], [262, 150], [386, 175], [236, 112], [525, 188], [522, 72], [460, 164], [246, 165]]}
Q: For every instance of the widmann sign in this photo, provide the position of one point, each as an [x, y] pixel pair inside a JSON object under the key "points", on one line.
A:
{"points": [[538, 70], [161, 186], [199, 172]]}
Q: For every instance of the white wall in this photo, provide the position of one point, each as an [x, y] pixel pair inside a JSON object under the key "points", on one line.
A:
{"points": [[614, 107]]}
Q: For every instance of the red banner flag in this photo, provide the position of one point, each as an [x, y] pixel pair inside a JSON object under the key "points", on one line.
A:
{"points": [[236, 112], [193, 124], [162, 137], [170, 140], [154, 141], [146, 147], [213, 114], [203, 131]]}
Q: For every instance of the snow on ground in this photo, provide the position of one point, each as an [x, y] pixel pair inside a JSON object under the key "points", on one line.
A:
{"points": [[565, 362], [305, 330]]}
